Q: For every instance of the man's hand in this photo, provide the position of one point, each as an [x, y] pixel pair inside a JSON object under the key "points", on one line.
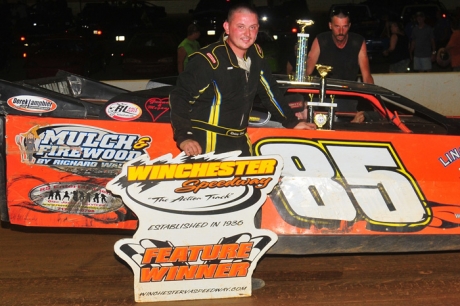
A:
{"points": [[305, 126], [190, 147], [359, 117]]}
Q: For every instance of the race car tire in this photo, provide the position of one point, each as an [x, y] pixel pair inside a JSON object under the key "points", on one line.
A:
{"points": [[3, 207], [443, 57]]}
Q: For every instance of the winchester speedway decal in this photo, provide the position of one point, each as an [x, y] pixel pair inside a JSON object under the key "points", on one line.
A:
{"points": [[196, 237], [75, 198], [80, 149], [123, 111], [32, 104]]}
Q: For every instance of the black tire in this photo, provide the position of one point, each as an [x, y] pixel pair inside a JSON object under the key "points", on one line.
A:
{"points": [[3, 207]]}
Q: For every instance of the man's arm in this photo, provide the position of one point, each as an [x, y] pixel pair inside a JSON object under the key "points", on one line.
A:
{"points": [[363, 61], [187, 89], [433, 48], [289, 68], [411, 50], [305, 126], [181, 56], [393, 41], [313, 56], [274, 101]]}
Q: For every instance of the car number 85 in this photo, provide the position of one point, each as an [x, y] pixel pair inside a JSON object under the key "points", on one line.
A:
{"points": [[324, 182]]}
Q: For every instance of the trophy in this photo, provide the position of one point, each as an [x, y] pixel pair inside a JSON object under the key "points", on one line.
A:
{"points": [[320, 119], [302, 44]]}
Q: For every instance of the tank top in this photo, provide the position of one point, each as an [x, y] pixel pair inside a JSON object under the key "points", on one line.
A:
{"points": [[344, 61]]}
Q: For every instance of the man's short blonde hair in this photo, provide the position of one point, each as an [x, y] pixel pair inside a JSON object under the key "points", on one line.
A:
{"points": [[241, 8]]}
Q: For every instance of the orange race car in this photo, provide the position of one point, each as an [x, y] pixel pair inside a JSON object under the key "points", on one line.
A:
{"points": [[389, 182]]}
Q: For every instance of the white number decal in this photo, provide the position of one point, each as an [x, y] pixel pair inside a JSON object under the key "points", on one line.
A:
{"points": [[308, 183], [343, 181], [378, 183]]}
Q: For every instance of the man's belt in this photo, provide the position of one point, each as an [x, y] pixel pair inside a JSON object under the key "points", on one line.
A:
{"points": [[218, 129]]}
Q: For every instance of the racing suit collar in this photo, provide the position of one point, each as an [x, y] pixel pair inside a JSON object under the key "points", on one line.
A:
{"points": [[231, 55]]}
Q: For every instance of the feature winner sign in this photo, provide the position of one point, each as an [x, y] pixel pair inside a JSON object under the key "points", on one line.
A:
{"points": [[196, 237]]}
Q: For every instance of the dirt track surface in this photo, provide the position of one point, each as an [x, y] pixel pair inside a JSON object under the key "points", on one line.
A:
{"points": [[80, 268]]}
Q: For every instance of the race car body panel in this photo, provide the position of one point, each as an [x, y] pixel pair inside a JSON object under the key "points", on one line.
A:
{"points": [[388, 184]]}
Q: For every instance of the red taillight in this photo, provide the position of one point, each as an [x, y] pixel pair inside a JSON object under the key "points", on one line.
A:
{"points": [[294, 30], [443, 15], [24, 55], [22, 38]]}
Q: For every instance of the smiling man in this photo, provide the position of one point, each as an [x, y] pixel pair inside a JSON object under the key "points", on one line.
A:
{"points": [[343, 50], [213, 98]]}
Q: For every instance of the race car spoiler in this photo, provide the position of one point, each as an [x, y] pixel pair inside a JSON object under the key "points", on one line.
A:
{"points": [[64, 96], [29, 100], [68, 95]]}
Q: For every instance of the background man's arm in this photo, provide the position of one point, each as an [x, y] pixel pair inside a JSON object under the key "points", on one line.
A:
{"points": [[363, 61], [433, 48], [313, 56], [289, 68], [412, 48], [181, 56], [393, 42]]}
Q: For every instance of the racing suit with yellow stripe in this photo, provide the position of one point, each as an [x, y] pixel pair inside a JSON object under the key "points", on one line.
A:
{"points": [[213, 98]]}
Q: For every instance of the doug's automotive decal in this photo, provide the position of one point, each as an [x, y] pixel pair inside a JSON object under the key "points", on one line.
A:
{"points": [[32, 104], [80, 149], [75, 198], [196, 236]]}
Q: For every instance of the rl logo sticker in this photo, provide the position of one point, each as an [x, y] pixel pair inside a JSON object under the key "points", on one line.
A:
{"points": [[196, 237]]}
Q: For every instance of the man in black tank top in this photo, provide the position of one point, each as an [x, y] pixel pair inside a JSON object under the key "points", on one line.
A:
{"points": [[345, 52]]}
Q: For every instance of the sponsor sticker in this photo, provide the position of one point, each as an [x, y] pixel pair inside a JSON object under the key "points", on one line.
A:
{"points": [[32, 104], [75, 198], [157, 107], [123, 111], [450, 156], [80, 149]]}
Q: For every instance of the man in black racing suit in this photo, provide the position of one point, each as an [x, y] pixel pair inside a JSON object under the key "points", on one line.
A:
{"points": [[212, 100]]}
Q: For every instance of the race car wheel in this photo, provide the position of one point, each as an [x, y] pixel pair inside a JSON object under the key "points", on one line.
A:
{"points": [[3, 207]]}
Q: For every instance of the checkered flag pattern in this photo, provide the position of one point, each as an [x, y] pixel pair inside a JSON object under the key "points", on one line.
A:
{"points": [[136, 250]]}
